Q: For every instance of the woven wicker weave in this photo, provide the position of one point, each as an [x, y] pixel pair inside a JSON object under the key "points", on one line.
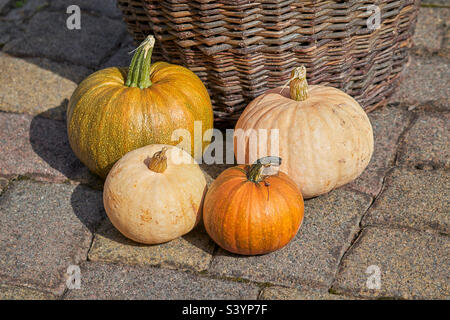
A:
{"points": [[240, 48]]}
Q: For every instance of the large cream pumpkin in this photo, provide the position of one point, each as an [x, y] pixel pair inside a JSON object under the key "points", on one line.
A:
{"points": [[325, 137], [154, 194]]}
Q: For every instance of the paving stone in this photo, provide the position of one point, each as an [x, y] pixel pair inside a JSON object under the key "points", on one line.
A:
{"points": [[192, 251], [412, 264], [435, 2], [104, 7], [424, 81], [25, 11], [9, 30], [331, 222], [445, 51], [110, 281], [430, 30], [282, 293], [3, 184], [122, 58], [39, 148], [37, 86], [3, 5], [45, 228], [388, 123], [413, 198], [426, 144], [8, 292], [47, 36]]}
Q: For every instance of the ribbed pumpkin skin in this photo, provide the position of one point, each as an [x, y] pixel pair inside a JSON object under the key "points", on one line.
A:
{"points": [[106, 119], [325, 141], [251, 218]]}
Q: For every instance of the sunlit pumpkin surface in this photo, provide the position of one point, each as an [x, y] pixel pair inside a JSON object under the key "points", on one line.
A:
{"points": [[106, 119], [249, 218]]}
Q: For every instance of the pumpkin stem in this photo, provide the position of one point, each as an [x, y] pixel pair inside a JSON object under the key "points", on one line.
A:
{"points": [[298, 84], [158, 163], [254, 173], [139, 71]]}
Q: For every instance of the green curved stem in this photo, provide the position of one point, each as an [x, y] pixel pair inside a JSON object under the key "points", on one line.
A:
{"points": [[139, 71]]}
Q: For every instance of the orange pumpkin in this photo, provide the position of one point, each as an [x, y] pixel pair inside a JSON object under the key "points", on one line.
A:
{"points": [[246, 212]]}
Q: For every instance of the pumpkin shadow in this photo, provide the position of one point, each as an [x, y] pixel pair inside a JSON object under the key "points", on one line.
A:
{"points": [[48, 139], [113, 239], [87, 205]]}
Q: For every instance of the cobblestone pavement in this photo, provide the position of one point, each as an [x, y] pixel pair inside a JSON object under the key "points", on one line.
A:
{"points": [[394, 217]]}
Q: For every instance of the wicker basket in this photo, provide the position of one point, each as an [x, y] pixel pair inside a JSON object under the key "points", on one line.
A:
{"points": [[240, 48]]}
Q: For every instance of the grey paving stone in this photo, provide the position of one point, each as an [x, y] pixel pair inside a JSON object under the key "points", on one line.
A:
{"points": [[445, 50], [192, 251], [282, 293], [413, 198], [425, 81], [25, 11], [435, 2], [8, 292], [47, 36], [427, 142], [39, 148], [3, 5], [412, 264], [430, 30], [122, 58], [10, 30], [388, 123], [105, 7], [45, 228], [110, 281], [331, 222], [37, 86], [3, 184]]}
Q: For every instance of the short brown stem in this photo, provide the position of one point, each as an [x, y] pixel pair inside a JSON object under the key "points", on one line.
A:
{"points": [[158, 163], [298, 84]]}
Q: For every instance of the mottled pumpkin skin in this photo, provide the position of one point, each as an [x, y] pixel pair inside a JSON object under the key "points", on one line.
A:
{"points": [[106, 119], [250, 218], [150, 207]]}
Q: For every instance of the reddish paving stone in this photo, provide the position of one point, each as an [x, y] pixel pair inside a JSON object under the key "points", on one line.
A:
{"points": [[110, 281], [45, 228], [37, 86], [427, 142], [388, 123], [425, 81], [412, 265], [430, 30], [413, 198], [312, 257], [38, 148], [47, 36]]}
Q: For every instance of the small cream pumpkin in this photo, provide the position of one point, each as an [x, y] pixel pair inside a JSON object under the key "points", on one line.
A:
{"points": [[154, 194], [325, 137]]}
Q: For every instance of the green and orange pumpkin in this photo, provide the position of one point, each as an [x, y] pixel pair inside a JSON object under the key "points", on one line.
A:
{"points": [[116, 110]]}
